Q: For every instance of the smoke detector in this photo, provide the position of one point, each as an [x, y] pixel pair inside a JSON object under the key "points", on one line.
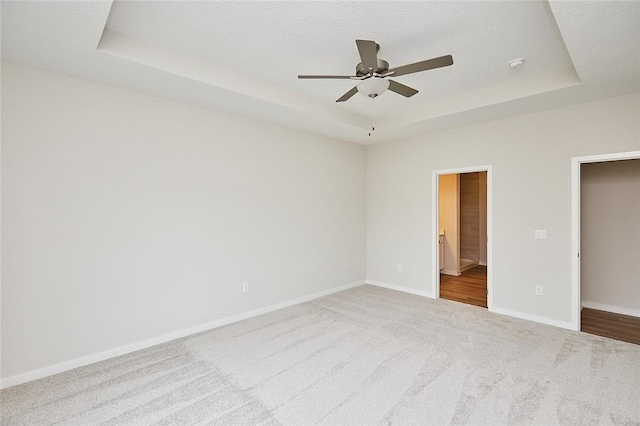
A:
{"points": [[516, 63]]}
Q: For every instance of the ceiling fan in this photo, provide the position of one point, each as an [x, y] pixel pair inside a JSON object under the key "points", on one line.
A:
{"points": [[373, 72]]}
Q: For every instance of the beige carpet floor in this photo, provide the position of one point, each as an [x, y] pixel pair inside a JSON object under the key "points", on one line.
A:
{"points": [[365, 356]]}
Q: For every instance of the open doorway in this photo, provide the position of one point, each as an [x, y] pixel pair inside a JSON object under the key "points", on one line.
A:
{"points": [[610, 249], [462, 225], [605, 232]]}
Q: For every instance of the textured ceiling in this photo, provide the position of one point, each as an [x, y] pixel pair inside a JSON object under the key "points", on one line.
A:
{"points": [[243, 57], [275, 41]]}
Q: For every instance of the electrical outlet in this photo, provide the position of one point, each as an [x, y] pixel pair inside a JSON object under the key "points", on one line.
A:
{"points": [[538, 290], [399, 267], [245, 287]]}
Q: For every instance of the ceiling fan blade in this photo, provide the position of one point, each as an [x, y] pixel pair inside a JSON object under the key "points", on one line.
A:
{"points": [[368, 54], [429, 64], [348, 95], [401, 89], [346, 77]]}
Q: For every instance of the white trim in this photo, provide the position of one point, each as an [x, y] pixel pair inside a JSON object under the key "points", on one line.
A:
{"points": [[401, 288], [497, 310], [122, 350], [535, 318], [575, 244], [576, 302], [614, 156], [435, 252], [610, 308], [435, 264], [468, 266], [449, 272]]}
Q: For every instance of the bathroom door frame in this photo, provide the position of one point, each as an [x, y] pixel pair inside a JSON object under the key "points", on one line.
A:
{"points": [[576, 162], [435, 232]]}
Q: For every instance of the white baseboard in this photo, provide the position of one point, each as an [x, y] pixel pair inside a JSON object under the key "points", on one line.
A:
{"points": [[534, 318], [497, 310], [122, 350], [482, 263], [450, 272], [467, 267], [611, 308], [402, 289], [501, 311]]}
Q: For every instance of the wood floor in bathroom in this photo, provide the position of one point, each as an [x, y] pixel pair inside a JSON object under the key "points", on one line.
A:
{"points": [[470, 287]]}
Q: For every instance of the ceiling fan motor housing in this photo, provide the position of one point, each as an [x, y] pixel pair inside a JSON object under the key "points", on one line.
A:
{"points": [[383, 66], [372, 72]]}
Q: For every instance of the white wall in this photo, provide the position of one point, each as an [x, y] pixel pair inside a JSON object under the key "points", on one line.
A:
{"points": [[531, 158], [449, 216], [126, 216], [610, 235]]}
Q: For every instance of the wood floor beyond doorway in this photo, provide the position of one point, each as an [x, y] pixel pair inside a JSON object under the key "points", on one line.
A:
{"points": [[608, 324], [470, 287]]}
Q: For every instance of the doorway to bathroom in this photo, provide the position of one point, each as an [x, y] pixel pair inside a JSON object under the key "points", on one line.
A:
{"points": [[462, 226]]}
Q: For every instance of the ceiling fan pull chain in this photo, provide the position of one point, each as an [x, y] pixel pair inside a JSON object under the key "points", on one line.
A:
{"points": [[372, 117], [373, 114], [370, 125]]}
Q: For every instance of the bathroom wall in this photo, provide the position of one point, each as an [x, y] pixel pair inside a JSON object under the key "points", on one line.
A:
{"points": [[483, 218], [610, 236], [470, 216], [449, 222]]}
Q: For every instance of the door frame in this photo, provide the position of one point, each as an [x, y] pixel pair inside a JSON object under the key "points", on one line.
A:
{"points": [[576, 162], [435, 215]]}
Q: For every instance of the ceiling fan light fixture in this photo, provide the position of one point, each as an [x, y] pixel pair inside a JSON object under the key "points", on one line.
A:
{"points": [[374, 86]]}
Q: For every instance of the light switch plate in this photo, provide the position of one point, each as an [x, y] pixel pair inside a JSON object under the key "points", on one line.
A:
{"points": [[541, 234]]}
